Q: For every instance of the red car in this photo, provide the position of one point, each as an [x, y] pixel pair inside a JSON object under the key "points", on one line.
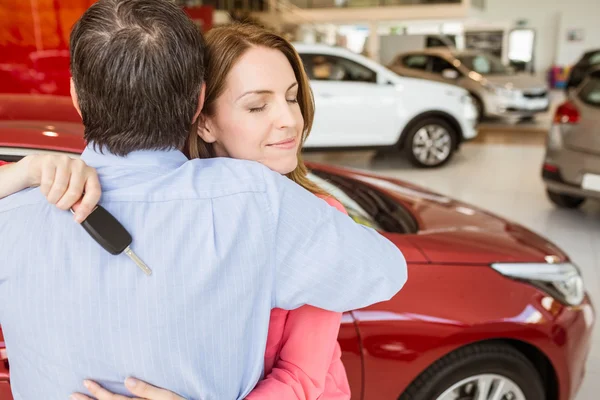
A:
{"points": [[490, 311]]}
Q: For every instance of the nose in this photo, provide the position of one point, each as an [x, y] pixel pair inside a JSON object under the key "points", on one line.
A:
{"points": [[286, 117]]}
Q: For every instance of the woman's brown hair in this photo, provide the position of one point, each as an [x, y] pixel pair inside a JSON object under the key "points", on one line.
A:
{"points": [[224, 47]]}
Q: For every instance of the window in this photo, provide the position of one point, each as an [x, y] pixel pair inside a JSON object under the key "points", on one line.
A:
{"points": [[8, 155], [594, 58], [590, 93], [485, 64], [322, 67], [366, 205], [438, 65], [416, 61]]}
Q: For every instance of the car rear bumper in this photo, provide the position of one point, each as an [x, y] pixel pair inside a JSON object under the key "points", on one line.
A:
{"points": [[564, 170]]}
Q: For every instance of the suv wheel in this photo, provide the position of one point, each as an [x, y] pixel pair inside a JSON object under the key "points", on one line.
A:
{"points": [[430, 142]]}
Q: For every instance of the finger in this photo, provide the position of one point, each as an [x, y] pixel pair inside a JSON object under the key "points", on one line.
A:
{"points": [[47, 174], [75, 189], [100, 393], [79, 396], [90, 200], [147, 391], [61, 183]]}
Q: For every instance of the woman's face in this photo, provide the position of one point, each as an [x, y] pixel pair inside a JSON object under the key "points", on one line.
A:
{"points": [[258, 117]]}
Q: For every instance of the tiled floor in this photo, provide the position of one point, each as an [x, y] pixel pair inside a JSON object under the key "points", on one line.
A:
{"points": [[505, 179]]}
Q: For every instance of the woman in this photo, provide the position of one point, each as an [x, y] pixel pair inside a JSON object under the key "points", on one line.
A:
{"points": [[258, 107]]}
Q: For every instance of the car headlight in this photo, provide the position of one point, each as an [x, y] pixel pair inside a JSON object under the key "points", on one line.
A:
{"points": [[501, 91], [561, 281]]}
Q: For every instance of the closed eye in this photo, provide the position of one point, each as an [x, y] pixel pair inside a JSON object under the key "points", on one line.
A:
{"points": [[258, 109]]}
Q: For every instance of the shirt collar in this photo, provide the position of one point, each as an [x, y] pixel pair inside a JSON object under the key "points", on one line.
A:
{"points": [[165, 159]]}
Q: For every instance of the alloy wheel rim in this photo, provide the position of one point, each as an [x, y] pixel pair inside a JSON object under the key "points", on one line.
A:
{"points": [[484, 387], [432, 144]]}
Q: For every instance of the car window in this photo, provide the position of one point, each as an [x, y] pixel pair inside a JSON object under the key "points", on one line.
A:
{"points": [[590, 92], [484, 64], [439, 64], [358, 214], [416, 61], [323, 67], [13, 154], [366, 205], [594, 59]]}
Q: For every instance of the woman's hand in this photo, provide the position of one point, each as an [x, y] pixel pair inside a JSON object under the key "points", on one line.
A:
{"points": [[64, 180], [142, 390]]}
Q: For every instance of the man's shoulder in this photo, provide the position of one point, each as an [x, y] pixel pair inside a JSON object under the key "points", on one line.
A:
{"points": [[20, 199], [199, 179], [225, 174], [228, 168]]}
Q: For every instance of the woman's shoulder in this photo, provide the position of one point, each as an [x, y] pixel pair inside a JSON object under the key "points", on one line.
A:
{"points": [[332, 201]]}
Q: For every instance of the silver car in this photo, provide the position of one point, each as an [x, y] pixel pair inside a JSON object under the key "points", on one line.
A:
{"points": [[571, 169], [496, 89]]}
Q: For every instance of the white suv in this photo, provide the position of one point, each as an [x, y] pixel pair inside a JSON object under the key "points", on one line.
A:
{"points": [[360, 104]]}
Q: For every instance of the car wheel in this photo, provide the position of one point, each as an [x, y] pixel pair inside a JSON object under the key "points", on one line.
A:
{"points": [[481, 371], [430, 143], [565, 200]]}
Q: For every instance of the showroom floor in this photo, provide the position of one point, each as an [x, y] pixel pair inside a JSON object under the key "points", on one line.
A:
{"points": [[502, 175]]}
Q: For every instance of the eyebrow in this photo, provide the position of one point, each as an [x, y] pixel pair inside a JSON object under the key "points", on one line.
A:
{"points": [[265, 91]]}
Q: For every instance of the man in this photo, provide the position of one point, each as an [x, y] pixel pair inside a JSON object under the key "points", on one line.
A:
{"points": [[227, 240]]}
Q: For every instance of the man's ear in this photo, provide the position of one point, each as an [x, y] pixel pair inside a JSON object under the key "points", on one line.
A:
{"points": [[74, 98], [206, 129], [200, 102]]}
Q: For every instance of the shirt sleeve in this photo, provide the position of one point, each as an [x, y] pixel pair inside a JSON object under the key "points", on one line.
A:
{"points": [[309, 364], [322, 258]]}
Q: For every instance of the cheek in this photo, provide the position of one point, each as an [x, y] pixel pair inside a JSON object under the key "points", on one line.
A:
{"points": [[299, 119], [241, 139]]}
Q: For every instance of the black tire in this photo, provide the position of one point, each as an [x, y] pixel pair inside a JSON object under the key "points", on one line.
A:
{"points": [[415, 127], [565, 200], [485, 358]]}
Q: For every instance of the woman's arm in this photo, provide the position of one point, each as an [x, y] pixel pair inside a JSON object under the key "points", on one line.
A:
{"points": [[309, 364], [65, 181], [14, 177]]}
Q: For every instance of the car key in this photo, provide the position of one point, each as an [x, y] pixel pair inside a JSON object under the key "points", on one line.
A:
{"points": [[108, 232]]}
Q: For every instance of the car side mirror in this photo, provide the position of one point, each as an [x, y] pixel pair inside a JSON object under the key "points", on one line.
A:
{"points": [[450, 74]]}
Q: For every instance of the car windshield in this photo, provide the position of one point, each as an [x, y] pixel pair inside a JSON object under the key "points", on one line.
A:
{"points": [[365, 205], [485, 64]]}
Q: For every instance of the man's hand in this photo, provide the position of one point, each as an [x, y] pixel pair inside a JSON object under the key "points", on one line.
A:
{"points": [[143, 390], [66, 182]]}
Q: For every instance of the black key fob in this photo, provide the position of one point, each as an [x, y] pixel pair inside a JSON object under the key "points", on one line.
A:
{"points": [[107, 231]]}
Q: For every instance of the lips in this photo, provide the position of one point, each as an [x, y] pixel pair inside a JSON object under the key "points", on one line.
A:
{"points": [[284, 144]]}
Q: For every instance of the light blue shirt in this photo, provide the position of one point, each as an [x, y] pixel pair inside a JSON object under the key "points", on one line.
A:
{"points": [[227, 241]]}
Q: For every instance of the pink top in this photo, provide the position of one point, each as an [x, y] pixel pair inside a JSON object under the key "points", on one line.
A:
{"points": [[303, 356]]}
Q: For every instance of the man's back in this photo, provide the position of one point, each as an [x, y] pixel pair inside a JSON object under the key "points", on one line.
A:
{"points": [[226, 242], [70, 310]]}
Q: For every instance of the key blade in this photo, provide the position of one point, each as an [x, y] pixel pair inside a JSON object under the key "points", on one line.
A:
{"points": [[138, 261]]}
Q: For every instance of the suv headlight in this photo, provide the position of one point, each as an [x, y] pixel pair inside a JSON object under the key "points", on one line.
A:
{"points": [[561, 281]]}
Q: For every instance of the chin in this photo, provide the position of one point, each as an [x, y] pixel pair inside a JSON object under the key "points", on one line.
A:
{"points": [[285, 168]]}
